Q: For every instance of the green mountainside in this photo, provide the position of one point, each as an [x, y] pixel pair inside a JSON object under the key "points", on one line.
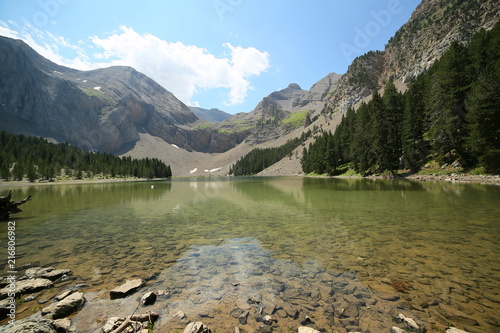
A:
{"points": [[450, 113]]}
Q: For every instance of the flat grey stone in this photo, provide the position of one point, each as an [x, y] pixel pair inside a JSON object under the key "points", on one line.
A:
{"points": [[65, 307], [129, 287]]}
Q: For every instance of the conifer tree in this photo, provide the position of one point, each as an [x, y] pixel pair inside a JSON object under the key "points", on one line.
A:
{"points": [[447, 105], [414, 148]]}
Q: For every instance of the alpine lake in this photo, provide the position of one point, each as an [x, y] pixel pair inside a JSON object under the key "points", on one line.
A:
{"points": [[335, 254]]}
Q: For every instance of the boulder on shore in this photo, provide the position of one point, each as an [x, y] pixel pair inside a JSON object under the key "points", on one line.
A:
{"points": [[64, 307], [27, 287], [31, 325]]}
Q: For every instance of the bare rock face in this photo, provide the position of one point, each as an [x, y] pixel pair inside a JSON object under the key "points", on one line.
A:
{"points": [[319, 91], [434, 25], [103, 109], [362, 77]]}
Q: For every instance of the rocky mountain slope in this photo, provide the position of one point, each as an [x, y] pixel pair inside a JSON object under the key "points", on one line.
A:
{"points": [[103, 109], [433, 26], [213, 115], [120, 110]]}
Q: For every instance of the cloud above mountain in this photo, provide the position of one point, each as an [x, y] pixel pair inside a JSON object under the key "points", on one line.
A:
{"points": [[180, 68]]}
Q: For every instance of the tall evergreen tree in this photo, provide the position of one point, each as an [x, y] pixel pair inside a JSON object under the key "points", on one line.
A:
{"points": [[483, 119], [363, 142], [450, 83], [413, 144]]}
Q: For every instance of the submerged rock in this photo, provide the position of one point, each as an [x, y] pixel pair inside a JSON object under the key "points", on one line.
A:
{"points": [[455, 330], [180, 315], [129, 287], [243, 318], [197, 327], [305, 329], [396, 329], [46, 272], [27, 287], [409, 321]]}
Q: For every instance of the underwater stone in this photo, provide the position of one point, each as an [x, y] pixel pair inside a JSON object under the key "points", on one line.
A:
{"points": [[126, 289]]}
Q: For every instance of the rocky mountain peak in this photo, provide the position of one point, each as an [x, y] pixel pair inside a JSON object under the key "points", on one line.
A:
{"points": [[294, 86], [433, 26], [103, 109]]}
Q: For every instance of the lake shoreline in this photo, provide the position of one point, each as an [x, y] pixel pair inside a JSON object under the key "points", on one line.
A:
{"points": [[75, 182], [453, 178]]}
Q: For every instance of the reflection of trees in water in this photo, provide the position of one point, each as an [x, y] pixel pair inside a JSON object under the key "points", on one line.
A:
{"points": [[71, 197]]}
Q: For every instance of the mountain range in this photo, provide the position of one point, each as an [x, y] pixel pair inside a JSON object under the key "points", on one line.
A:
{"points": [[122, 111]]}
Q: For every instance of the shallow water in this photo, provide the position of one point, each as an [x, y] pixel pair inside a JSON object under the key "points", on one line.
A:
{"points": [[307, 242]]}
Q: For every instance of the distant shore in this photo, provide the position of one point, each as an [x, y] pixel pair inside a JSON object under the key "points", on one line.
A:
{"points": [[454, 178], [72, 182]]}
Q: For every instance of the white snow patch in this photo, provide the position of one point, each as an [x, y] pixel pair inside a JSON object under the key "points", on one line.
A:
{"points": [[193, 171], [216, 169], [98, 88], [85, 81], [175, 146], [57, 72]]}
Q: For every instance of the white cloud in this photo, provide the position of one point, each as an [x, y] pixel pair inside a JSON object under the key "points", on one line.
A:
{"points": [[181, 69]]}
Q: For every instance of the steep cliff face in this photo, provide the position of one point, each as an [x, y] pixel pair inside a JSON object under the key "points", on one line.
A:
{"points": [[434, 25], [319, 91], [103, 109], [361, 78]]}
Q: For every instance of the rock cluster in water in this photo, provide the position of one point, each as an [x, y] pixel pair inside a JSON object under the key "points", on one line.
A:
{"points": [[235, 287]]}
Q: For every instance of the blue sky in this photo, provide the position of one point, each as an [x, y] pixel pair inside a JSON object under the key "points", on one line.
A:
{"points": [[227, 54]]}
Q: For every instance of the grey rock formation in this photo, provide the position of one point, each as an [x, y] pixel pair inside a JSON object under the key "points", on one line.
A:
{"points": [[27, 286], [319, 91], [213, 115], [46, 272], [148, 298], [103, 109], [129, 287], [32, 325], [414, 47], [64, 307], [197, 327]]}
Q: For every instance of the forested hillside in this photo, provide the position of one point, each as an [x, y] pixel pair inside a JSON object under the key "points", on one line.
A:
{"points": [[261, 158], [35, 158], [450, 114]]}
